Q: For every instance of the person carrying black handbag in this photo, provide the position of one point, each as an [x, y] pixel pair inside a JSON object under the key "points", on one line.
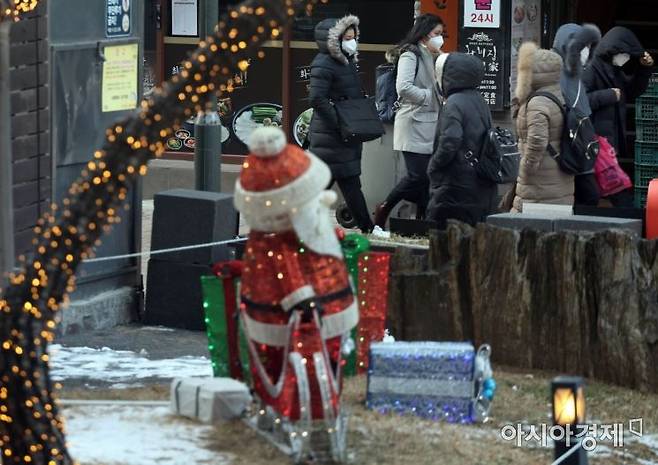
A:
{"points": [[334, 78]]}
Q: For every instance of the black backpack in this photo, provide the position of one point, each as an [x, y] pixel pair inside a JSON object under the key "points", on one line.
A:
{"points": [[386, 95], [499, 157], [579, 146]]}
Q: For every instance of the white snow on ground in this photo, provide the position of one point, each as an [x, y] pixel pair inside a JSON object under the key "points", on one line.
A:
{"points": [[129, 435], [119, 366]]}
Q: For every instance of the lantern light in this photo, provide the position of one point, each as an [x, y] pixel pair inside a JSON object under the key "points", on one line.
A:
{"points": [[568, 396], [568, 401]]}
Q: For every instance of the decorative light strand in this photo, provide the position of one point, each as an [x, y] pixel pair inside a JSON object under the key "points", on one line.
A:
{"points": [[13, 9], [31, 428]]}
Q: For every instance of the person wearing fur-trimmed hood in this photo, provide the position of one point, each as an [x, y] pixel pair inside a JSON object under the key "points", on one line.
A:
{"points": [[540, 124], [576, 45], [334, 77]]}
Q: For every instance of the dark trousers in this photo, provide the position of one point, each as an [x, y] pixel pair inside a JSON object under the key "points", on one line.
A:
{"points": [[356, 202], [623, 199], [415, 186], [587, 190]]}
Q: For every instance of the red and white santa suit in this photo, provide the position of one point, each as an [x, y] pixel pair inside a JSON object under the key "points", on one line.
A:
{"points": [[297, 303]]}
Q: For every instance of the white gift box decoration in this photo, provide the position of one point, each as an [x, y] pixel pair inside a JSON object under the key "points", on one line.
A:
{"points": [[209, 400]]}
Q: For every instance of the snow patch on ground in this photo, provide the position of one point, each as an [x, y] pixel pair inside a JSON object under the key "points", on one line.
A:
{"points": [[130, 435], [158, 328], [121, 367]]}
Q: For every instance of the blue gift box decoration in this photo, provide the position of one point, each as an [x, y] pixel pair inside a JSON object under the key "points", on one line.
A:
{"points": [[434, 380]]}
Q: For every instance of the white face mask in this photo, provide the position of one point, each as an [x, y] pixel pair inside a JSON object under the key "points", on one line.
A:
{"points": [[621, 59], [350, 46], [436, 42], [584, 56]]}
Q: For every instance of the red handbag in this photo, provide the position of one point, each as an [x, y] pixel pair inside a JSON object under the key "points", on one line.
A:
{"points": [[609, 175]]}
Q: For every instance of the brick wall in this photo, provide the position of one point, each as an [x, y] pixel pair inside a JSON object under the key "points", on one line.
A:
{"points": [[32, 166]]}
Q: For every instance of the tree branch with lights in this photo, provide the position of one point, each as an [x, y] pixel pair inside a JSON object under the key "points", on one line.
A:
{"points": [[31, 427], [13, 9]]}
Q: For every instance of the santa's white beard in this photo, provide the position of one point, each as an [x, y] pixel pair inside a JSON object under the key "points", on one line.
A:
{"points": [[310, 221], [313, 225]]}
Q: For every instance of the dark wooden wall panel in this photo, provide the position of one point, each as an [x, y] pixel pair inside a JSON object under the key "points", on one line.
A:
{"points": [[32, 163]]}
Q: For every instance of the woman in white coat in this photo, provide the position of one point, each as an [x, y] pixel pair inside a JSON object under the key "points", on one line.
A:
{"points": [[416, 119]]}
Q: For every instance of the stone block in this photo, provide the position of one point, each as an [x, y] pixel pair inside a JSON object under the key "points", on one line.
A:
{"points": [[520, 221], [597, 223], [174, 297], [183, 217]]}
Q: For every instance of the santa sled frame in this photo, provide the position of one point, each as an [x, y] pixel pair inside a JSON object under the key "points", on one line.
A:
{"points": [[297, 305], [315, 440]]}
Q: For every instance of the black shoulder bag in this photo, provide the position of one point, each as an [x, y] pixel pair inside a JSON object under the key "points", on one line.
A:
{"points": [[358, 120]]}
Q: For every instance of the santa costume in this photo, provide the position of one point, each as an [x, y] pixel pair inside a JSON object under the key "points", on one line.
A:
{"points": [[297, 305]]}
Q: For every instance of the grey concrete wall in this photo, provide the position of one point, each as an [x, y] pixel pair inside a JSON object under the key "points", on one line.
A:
{"points": [[103, 311]]}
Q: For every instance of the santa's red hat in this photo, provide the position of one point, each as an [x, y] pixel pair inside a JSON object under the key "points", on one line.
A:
{"points": [[278, 177]]}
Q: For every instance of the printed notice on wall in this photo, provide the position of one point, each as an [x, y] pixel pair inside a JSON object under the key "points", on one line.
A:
{"points": [[120, 72], [184, 18], [482, 13]]}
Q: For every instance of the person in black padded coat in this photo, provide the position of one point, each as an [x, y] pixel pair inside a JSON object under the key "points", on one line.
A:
{"points": [[616, 76], [334, 77], [456, 191]]}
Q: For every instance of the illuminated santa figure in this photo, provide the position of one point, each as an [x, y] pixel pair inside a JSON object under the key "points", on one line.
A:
{"points": [[297, 303]]}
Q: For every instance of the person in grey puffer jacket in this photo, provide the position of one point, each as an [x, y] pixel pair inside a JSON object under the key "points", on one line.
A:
{"points": [[576, 45], [456, 191]]}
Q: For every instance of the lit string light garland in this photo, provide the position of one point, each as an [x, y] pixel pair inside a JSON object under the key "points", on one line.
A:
{"points": [[13, 9], [31, 428], [373, 303]]}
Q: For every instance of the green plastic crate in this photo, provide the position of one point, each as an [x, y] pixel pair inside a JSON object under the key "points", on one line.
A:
{"points": [[641, 197], [646, 153], [646, 109], [646, 130], [644, 174]]}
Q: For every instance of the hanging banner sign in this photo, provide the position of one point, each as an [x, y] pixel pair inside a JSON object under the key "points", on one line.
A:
{"points": [[526, 26], [482, 13]]}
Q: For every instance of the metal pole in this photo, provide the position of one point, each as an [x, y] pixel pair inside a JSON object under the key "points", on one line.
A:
{"points": [[7, 259], [207, 151], [286, 97], [207, 127]]}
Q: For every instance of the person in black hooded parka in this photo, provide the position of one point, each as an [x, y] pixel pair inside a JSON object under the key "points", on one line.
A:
{"points": [[456, 191], [618, 74], [334, 77]]}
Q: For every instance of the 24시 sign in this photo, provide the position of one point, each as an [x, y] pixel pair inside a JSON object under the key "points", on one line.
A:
{"points": [[482, 13]]}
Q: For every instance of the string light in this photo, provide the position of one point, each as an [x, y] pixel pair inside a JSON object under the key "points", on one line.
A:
{"points": [[373, 277], [13, 9], [34, 433]]}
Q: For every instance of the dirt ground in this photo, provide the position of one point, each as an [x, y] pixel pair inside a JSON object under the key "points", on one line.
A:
{"points": [[375, 439]]}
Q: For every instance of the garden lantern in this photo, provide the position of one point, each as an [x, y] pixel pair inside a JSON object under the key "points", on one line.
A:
{"points": [[568, 398]]}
